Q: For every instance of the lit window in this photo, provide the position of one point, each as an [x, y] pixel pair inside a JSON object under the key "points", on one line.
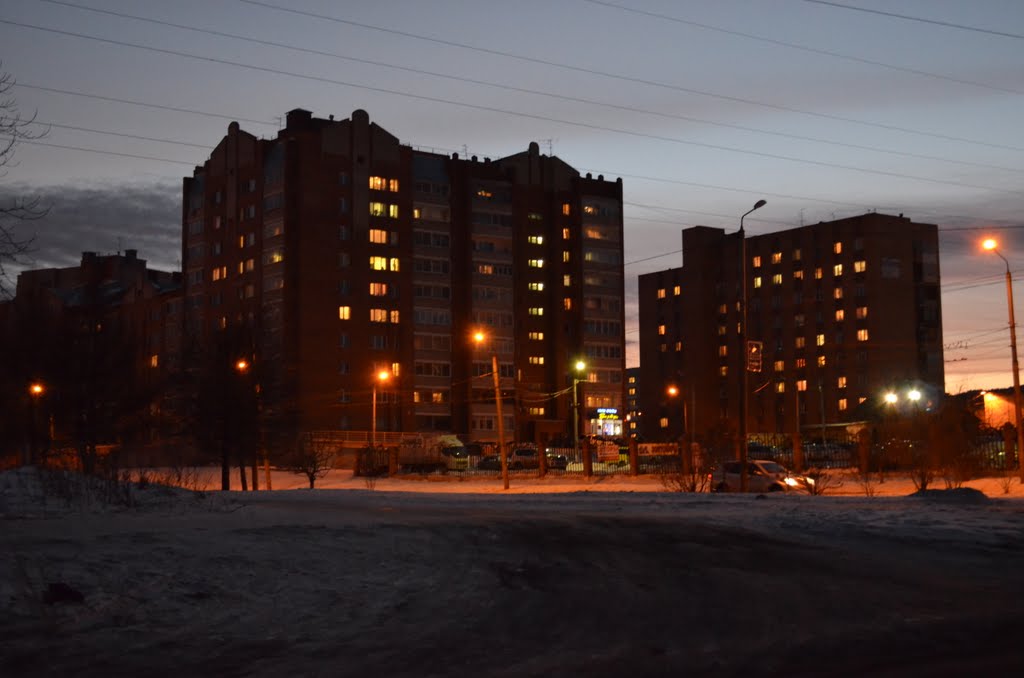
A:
{"points": [[776, 257], [722, 308], [817, 273], [820, 340], [566, 209], [821, 361], [798, 274], [679, 346], [344, 312], [796, 254], [536, 240], [376, 209], [220, 273], [485, 269], [536, 336], [800, 342], [779, 365], [535, 263], [663, 422], [777, 279], [838, 247], [860, 266], [536, 286], [379, 263], [154, 360], [722, 330], [241, 241], [378, 236], [378, 315], [378, 289], [484, 193], [394, 318], [567, 304], [676, 290], [393, 264], [377, 183], [837, 270], [565, 256], [661, 292], [567, 280], [536, 411], [801, 363], [756, 261], [536, 310], [862, 335], [723, 371], [393, 185], [723, 351], [862, 312], [565, 234], [840, 314], [396, 369], [801, 385], [757, 281], [841, 382], [842, 404], [417, 213], [393, 211], [837, 293], [780, 387], [661, 330], [536, 360]]}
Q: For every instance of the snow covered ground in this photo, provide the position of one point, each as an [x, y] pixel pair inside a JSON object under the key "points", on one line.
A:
{"points": [[555, 577]]}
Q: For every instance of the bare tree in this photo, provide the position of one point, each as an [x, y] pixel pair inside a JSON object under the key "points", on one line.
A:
{"points": [[14, 129], [312, 458]]}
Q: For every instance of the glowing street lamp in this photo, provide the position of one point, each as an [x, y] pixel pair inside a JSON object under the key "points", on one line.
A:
{"points": [[891, 398], [242, 366], [744, 387], [479, 338], [992, 246], [379, 378], [35, 392], [914, 395], [580, 367]]}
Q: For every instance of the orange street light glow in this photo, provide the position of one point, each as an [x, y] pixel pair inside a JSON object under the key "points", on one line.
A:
{"points": [[36, 389], [989, 244], [383, 375], [673, 391], [242, 365]]}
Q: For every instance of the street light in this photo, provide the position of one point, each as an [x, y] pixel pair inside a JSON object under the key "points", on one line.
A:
{"points": [[580, 366], [993, 246], [35, 392], [381, 377], [479, 338], [742, 443]]}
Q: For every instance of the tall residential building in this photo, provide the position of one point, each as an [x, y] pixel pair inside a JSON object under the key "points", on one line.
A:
{"points": [[842, 310], [333, 252]]}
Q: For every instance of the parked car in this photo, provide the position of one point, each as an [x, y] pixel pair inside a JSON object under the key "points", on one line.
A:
{"points": [[762, 476], [523, 456]]}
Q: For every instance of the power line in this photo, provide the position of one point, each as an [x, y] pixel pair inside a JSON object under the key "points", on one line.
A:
{"points": [[492, 109], [907, 17], [123, 135], [553, 95], [133, 102], [804, 48], [652, 83], [114, 153]]}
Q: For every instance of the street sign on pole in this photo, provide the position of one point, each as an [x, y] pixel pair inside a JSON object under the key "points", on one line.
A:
{"points": [[754, 351]]}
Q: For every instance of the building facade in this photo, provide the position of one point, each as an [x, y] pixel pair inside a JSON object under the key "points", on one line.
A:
{"points": [[841, 311], [333, 253]]}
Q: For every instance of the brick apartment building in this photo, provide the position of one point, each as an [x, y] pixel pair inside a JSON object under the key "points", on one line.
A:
{"points": [[844, 310], [333, 251], [101, 340]]}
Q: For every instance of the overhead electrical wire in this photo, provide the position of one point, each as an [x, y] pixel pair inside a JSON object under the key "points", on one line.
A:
{"points": [[907, 17], [652, 83], [553, 95], [804, 48], [493, 109]]}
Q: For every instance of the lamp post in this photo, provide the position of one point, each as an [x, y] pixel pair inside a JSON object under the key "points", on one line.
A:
{"points": [[993, 246], [580, 366], [742, 443], [479, 338], [35, 392], [381, 377]]}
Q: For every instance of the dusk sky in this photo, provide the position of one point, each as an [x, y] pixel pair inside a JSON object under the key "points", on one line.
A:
{"points": [[824, 109]]}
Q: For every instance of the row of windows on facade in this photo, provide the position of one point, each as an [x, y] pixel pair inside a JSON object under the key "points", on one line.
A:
{"points": [[797, 254], [777, 278], [798, 342]]}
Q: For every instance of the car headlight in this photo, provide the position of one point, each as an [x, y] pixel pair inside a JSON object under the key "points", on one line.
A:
{"points": [[792, 482], [809, 481]]}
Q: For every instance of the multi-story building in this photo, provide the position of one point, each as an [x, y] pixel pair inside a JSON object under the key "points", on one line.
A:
{"points": [[333, 252], [843, 311], [101, 340]]}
